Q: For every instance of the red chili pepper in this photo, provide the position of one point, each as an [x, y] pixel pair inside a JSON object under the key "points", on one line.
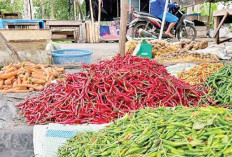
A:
{"points": [[108, 90]]}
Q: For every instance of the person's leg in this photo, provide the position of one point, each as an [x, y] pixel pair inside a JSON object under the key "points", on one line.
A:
{"points": [[168, 31], [172, 20]]}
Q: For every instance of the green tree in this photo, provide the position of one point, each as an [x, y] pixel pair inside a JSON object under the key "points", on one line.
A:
{"points": [[6, 6], [62, 10]]}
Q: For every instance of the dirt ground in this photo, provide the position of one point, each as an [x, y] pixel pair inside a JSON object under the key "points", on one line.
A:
{"points": [[101, 51]]}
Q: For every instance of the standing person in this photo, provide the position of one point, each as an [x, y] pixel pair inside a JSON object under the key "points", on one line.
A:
{"points": [[157, 10]]}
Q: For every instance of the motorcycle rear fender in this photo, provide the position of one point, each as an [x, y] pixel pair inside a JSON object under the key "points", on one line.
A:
{"points": [[187, 23], [135, 21]]}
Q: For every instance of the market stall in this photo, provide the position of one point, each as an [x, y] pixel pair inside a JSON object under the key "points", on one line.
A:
{"points": [[220, 18], [155, 98]]}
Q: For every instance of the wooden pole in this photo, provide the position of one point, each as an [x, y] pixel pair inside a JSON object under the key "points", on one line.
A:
{"points": [[123, 25], [99, 11], [91, 10], [210, 6], [163, 21], [13, 53]]}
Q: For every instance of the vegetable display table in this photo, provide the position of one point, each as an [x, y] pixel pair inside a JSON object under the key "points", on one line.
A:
{"points": [[21, 23], [65, 30], [221, 17]]}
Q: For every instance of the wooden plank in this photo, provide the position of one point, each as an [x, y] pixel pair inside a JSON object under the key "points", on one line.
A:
{"points": [[63, 23], [22, 24], [123, 23], [64, 33], [21, 34], [221, 23], [64, 28], [87, 32], [10, 49], [222, 12], [225, 40], [91, 32]]}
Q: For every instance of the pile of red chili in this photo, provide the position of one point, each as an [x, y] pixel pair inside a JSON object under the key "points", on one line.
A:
{"points": [[108, 90]]}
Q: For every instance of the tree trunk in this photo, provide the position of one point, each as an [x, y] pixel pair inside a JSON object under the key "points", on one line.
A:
{"points": [[75, 9], [52, 10], [43, 10], [28, 9], [26, 2], [123, 23], [79, 8], [31, 9]]}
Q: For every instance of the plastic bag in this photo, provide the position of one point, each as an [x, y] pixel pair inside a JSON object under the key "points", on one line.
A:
{"points": [[215, 50]]}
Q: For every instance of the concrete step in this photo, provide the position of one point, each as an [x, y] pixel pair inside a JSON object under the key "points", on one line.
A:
{"points": [[16, 139], [16, 154]]}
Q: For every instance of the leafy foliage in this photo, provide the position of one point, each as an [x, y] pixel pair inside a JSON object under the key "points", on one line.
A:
{"points": [[6, 6], [62, 10]]}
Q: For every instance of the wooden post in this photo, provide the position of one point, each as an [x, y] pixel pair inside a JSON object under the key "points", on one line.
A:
{"points": [[123, 25], [99, 20], [11, 50], [216, 23], [99, 11], [52, 10], [91, 10], [210, 6], [219, 25]]}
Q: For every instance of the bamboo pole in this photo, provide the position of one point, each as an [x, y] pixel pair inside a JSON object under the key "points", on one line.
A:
{"points": [[163, 21], [123, 25], [99, 11], [91, 10]]}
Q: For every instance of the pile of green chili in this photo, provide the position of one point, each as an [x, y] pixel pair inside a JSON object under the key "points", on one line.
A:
{"points": [[221, 85], [159, 132]]}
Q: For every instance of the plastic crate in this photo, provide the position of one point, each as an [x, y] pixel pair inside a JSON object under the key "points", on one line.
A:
{"points": [[71, 56]]}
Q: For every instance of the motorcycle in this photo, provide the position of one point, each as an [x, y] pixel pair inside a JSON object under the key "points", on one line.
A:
{"points": [[146, 25]]}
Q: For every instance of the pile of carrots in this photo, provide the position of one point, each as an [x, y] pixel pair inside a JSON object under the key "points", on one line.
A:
{"points": [[27, 77]]}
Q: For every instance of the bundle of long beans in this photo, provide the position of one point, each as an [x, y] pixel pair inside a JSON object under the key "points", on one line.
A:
{"points": [[159, 132]]}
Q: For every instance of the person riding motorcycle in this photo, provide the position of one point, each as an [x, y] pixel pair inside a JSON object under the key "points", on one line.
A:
{"points": [[157, 10]]}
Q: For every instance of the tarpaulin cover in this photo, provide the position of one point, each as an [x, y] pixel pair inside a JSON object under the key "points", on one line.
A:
{"points": [[3, 22], [104, 30]]}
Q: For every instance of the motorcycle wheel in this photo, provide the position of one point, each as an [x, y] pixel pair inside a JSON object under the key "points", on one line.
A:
{"points": [[187, 32], [135, 29]]}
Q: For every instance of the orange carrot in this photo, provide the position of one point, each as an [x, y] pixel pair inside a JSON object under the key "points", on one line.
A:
{"points": [[36, 76], [1, 84], [38, 81], [8, 82], [39, 88]]}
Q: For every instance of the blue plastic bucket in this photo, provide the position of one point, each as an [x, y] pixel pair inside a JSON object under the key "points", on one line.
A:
{"points": [[71, 56]]}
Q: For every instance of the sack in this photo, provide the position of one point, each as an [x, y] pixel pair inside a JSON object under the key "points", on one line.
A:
{"points": [[47, 139], [215, 50]]}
